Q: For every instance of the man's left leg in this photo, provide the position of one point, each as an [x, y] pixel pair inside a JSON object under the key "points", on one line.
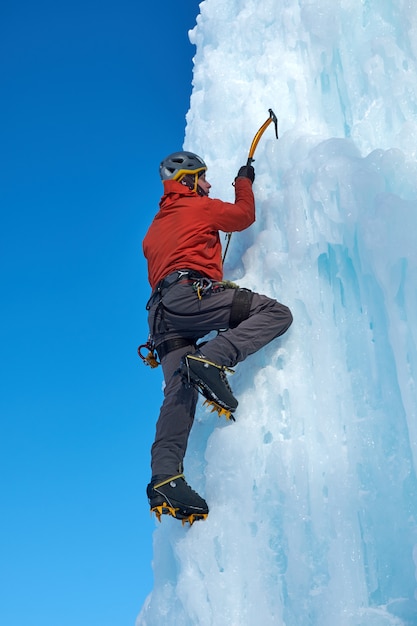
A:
{"points": [[168, 491], [175, 418]]}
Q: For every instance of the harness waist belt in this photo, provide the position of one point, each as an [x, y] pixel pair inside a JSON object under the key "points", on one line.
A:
{"points": [[173, 344], [170, 280]]}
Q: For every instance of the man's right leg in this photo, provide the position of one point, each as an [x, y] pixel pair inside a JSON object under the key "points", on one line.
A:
{"points": [[207, 368], [267, 320]]}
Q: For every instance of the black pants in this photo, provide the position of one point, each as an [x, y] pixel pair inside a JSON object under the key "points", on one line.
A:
{"points": [[182, 314]]}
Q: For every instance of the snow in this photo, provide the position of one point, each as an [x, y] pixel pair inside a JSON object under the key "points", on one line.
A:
{"points": [[313, 491]]}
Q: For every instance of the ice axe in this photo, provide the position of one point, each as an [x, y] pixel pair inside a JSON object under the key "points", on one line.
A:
{"points": [[272, 118]]}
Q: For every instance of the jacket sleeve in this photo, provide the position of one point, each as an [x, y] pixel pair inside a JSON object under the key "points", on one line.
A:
{"points": [[231, 217]]}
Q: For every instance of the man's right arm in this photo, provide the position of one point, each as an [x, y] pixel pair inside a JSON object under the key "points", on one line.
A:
{"points": [[231, 217]]}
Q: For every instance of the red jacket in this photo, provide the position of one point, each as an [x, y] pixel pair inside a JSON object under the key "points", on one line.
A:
{"points": [[185, 232]]}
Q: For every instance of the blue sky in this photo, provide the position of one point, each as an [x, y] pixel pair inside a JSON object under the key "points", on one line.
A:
{"points": [[93, 95]]}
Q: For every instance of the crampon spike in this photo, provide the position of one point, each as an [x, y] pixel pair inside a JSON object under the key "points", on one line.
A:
{"points": [[161, 509], [193, 518], [219, 409]]}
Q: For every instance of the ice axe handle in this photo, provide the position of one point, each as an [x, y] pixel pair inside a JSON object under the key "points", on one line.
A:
{"points": [[272, 118]]}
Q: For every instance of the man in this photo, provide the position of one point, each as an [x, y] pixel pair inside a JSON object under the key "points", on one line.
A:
{"points": [[189, 300]]}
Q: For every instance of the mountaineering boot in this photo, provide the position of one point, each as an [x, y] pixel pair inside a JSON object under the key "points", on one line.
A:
{"points": [[171, 495], [210, 378]]}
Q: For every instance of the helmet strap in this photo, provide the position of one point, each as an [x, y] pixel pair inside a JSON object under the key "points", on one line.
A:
{"points": [[191, 181]]}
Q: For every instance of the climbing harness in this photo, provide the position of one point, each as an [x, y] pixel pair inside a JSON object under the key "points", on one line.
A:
{"points": [[272, 118], [203, 286]]}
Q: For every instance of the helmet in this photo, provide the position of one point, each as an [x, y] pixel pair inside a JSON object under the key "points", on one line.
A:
{"points": [[178, 164]]}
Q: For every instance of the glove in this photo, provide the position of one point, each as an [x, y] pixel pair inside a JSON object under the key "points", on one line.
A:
{"points": [[246, 171]]}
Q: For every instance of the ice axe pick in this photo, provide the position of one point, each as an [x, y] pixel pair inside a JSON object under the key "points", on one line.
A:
{"points": [[272, 118]]}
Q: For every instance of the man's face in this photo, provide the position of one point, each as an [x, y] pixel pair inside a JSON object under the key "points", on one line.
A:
{"points": [[204, 184]]}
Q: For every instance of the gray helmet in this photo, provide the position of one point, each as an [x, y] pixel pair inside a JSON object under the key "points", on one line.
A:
{"points": [[178, 164]]}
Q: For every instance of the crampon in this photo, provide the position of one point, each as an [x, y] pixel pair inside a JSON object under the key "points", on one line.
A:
{"points": [[165, 509], [210, 380], [219, 409]]}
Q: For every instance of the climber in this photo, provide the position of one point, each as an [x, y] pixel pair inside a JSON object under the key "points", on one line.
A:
{"points": [[189, 300]]}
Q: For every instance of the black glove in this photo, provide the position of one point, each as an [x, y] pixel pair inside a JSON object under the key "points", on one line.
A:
{"points": [[246, 171]]}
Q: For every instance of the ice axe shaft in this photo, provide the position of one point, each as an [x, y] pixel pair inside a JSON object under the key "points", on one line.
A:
{"points": [[272, 118]]}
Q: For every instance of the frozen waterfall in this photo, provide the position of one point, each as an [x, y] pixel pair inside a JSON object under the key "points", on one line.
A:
{"points": [[313, 491]]}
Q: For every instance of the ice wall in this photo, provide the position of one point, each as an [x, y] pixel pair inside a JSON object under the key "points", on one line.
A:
{"points": [[313, 491]]}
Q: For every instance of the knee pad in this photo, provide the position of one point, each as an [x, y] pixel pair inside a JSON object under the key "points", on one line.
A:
{"points": [[241, 304]]}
